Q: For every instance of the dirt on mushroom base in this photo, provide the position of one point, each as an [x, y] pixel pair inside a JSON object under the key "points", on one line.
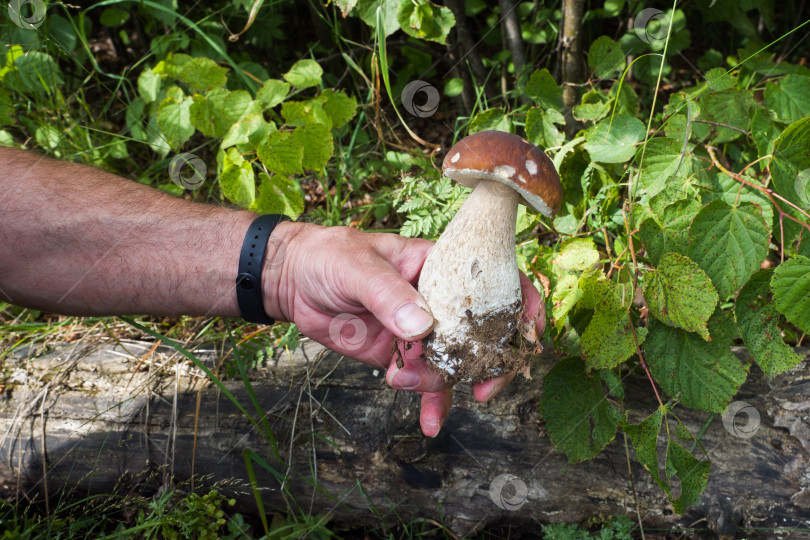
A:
{"points": [[499, 348]]}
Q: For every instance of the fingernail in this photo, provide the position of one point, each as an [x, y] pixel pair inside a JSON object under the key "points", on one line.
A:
{"points": [[430, 425], [495, 390], [404, 379], [412, 320]]}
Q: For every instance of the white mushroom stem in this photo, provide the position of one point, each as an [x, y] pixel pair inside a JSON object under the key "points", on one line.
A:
{"points": [[473, 267]]}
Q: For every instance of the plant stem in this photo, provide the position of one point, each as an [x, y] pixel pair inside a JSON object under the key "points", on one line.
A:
{"points": [[772, 195]]}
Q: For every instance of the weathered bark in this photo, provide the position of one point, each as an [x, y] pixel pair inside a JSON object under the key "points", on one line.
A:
{"points": [[511, 28], [97, 422], [571, 58], [510, 22]]}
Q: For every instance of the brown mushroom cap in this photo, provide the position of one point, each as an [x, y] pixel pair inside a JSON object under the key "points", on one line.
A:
{"points": [[510, 160]]}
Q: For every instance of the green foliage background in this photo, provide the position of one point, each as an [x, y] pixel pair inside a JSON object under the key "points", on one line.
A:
{"points": [[685, 163]]}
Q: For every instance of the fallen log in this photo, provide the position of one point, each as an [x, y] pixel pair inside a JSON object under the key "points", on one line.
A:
{"points": [[79, 418]]}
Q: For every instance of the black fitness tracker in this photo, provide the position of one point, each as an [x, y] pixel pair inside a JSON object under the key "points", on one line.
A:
{"points": [[249, 279]]}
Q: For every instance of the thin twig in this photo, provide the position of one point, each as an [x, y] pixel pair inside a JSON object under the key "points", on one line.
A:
{"points": [[767, 191], [633, 486], [720, 124], [632, 326], [771, 194], [194, 444], [44, 455]]}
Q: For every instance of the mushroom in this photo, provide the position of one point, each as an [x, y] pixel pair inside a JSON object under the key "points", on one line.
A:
{"points": [[470, 278]]}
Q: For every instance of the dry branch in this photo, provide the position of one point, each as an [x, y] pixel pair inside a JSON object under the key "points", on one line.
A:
{"points": [[338, 424]]}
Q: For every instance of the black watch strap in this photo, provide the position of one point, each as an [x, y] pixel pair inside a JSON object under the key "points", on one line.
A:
{"points": [[249, 280]]}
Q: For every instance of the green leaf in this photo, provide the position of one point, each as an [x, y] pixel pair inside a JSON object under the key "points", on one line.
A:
{"points": [[790, 165], [614, 140], [757, 320], [608, 340], [242, 132], [729, 243], [730, 107], [214, 114], [593, 285], [613, 382], [680, 294], [48, 137], [453, 87], [282, 153], [174, 120], [791, 291], [300, 113], [540, 127], [38, 72], [664, 162], [575, 255], [543, 89], [425, 20], [346, 6], [202, 74], [591, 112], [148, 85], [764, 131], [705, 374], [304, 73], [693, 475], [340, 107], [644, 437], [673, 233], [606, 57], [6, 139], [789, 97], [278, 195], [565, 296], [6, 108], [272, 92], [316, 141], [367, 10], [112, 17], [572, 401], [172, 65], [236, 178], [675, 191], [154, 137], [134, 118], [61, 30], [626, 98], [492, 119], [727, 189], [206, 118], [592, 107]]}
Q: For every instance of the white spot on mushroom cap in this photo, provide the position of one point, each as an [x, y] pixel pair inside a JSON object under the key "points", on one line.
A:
{"points": [[531, 166], [455, 158], [520, 177], [504, 171]]}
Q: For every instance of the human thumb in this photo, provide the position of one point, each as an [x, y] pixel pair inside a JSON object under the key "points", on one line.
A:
{"points": [[393, 301]]}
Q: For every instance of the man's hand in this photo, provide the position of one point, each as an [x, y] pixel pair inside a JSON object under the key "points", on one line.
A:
{"points": [[79, 241], [355, 293]]}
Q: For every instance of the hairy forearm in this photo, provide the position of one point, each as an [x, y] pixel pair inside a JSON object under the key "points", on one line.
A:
{"points": [[79, 241]]}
